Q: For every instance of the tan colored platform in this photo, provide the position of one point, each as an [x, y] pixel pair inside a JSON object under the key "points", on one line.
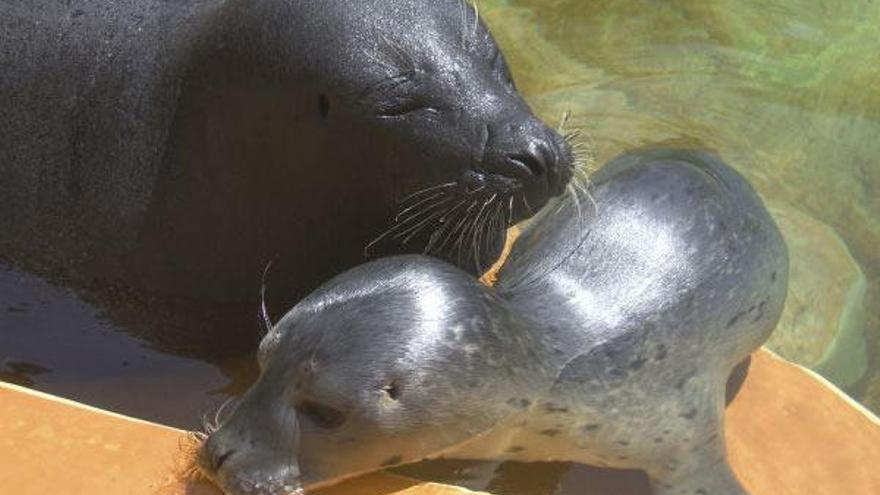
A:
{"points": [[789, 432], [50, 445]]}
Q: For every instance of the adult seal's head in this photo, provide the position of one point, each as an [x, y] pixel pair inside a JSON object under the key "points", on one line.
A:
{"points": [[372, 127], [190, 142], [389, 363], [421, 90]]}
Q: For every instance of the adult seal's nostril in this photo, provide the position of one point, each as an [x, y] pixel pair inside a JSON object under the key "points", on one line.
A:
{"points": [[544, 152], [519, 152], [534, 161], [524, 166]]}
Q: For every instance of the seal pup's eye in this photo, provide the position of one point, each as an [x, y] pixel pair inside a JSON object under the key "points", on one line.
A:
{"points": [[321, 415], [392, 390]]}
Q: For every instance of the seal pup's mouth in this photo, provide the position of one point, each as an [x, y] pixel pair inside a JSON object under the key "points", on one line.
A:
{"points": [[233, 479], [237, 470]]}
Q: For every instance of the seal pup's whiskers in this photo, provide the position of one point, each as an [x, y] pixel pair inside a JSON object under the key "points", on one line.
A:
{"points": [[212, 424], [263, 312], [186, 467]]}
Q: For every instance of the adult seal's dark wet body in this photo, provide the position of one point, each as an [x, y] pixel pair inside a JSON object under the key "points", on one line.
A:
{"points": [[179, 146], [608, 341]]}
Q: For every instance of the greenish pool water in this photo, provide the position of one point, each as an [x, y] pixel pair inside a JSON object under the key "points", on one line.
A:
{"points": [[788, 92]]}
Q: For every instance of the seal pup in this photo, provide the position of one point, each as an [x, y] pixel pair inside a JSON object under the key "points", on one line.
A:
{"points": [[389, 363], [608, 341], [179, 146]]}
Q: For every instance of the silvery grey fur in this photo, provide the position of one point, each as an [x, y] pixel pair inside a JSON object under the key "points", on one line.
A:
{"points": [[608, 341]]}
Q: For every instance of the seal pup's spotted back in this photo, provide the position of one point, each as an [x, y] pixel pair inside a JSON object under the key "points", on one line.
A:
{"points": [[654, 297]]}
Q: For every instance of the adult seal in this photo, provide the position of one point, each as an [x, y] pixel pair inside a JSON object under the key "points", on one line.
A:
{"points": [[608, 341], [179, 146]]}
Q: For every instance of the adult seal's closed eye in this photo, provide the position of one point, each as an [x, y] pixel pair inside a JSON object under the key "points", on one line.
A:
{"points": [[179, 146], [608, 341]]}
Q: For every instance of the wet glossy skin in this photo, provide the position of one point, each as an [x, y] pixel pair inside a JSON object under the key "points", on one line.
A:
{"points": [[374, 370], [677, 278], [608, 341], [179, 146]]}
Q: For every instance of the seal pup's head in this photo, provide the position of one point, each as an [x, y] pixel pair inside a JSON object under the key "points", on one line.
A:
{"points": [[389, 363]]}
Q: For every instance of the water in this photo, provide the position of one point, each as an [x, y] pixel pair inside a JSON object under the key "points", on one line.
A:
{"points": [[131, 354], [786, 91]]}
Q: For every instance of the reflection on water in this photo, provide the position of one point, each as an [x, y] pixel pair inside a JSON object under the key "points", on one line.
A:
{"points": [[785, 91], [57, 342]]}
